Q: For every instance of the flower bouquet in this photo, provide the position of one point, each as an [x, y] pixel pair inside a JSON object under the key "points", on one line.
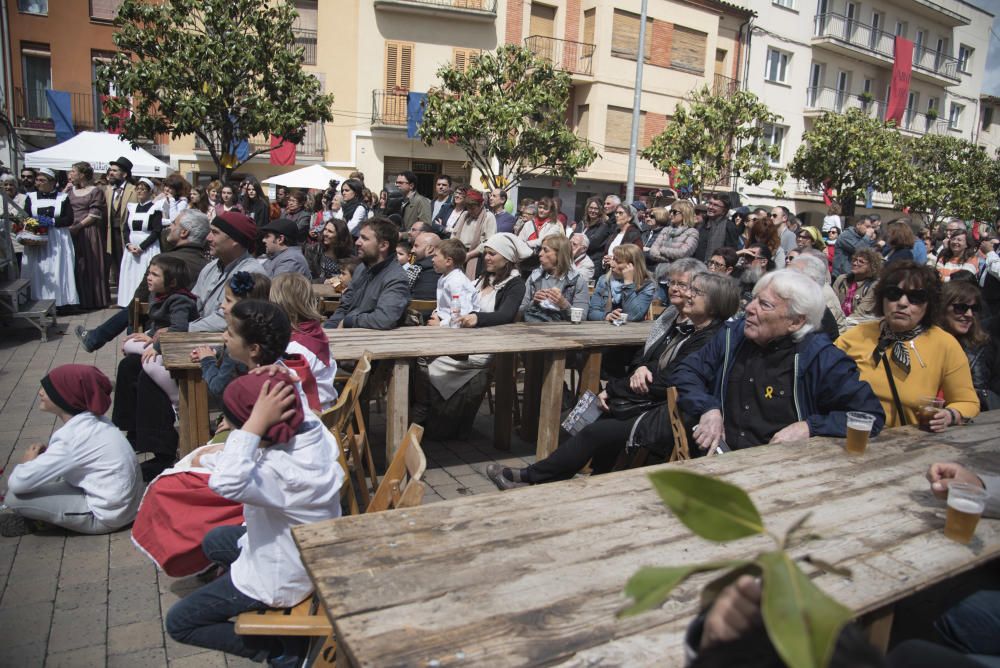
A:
{"points": [[35, 231]]}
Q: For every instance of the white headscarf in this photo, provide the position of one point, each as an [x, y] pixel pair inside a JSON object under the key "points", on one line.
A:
{"points": [[511, 247]]}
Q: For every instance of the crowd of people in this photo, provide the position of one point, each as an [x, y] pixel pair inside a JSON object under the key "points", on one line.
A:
{"points": [[771, 331]]}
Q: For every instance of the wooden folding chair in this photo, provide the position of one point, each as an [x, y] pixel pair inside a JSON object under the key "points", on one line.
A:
{"points": [[680, 452], [402, 487], [346, 422], [139, 309]]}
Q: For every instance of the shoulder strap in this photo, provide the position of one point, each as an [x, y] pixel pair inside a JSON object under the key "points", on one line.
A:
{"points": [[892, 388]]}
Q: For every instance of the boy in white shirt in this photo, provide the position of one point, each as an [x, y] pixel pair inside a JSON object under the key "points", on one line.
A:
{"points": [[449, 259], [87, 478]]}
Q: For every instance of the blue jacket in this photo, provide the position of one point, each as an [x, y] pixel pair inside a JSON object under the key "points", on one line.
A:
{"points": [[826, 385], [635, 303]]}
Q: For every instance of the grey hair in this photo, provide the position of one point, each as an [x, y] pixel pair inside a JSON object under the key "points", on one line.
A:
{"points": [[813, 266], [196, 224], [804, 298], [722, 293], [584, 239], [684, 265], [4, 178], [617, 200]]}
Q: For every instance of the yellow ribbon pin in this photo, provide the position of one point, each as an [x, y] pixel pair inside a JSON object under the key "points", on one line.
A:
{"points": [[768, 392]]}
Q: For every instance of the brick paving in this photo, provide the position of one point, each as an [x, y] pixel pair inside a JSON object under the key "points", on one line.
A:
{"points": [[81, 601]]}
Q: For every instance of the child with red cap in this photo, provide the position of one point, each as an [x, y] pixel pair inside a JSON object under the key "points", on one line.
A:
{"points": [[281, 463], [86, 479]]}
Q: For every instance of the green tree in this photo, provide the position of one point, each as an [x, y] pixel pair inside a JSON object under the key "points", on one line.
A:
{"points": [[223, 70], [941, 175], [715, 137], [848, 152], [507, 112]]}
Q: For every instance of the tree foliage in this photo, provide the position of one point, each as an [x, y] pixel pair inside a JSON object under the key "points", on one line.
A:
{"points": [[941, 175], [848, 152], [715, 137], [507, 112], [223, 70]]}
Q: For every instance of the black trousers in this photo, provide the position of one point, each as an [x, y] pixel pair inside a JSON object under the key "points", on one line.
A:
{"points": [[600, 442], [143, 411]]}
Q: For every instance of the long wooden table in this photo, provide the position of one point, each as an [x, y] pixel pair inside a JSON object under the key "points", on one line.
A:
{"points": [[535, 576], [401, 346]]}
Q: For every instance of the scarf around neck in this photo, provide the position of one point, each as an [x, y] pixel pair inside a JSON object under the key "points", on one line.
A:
{"points": [[897, 341]]}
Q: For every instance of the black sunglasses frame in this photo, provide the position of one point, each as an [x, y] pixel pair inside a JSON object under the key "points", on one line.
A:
{"points": [[917, 297]]}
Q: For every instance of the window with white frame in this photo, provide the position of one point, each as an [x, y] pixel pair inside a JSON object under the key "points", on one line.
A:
{"points": [[774, 135], [777, 65], [964, 58], [955, 116], [788, 4]]}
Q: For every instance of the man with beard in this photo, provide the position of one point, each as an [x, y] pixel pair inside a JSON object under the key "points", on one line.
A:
{"points": [[717, 230], [380, 289], [119, 193], [423, 278]]}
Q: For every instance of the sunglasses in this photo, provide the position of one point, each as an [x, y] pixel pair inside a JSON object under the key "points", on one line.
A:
{"points": [[674, 212], [915, 297], [962, 309]]}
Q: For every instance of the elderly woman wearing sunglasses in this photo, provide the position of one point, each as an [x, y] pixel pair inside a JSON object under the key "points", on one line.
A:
{"points": [[905, 357], [960, 317]]}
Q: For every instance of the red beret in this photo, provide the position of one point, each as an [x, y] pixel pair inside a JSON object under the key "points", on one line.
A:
{"points": [[239, 227], [241, 395]]}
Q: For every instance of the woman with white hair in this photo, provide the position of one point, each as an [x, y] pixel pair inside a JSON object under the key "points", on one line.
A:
{"points": [[772, 377], [144, 223]]}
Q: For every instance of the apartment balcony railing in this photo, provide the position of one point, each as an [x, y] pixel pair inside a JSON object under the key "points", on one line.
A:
{"points": [[389, 108], [872, 40], [922, 124], [830, 99], [313, 142], [31, 110], [307, 40], [474, 9], [724, 86], [572, 57]]}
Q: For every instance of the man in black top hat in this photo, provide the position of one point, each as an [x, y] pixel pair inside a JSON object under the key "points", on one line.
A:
{"points": [[119, 193]]}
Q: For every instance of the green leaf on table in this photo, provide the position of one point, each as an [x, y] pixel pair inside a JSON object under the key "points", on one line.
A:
{"points": [[650, 586], [802, 622], [711, 508]]}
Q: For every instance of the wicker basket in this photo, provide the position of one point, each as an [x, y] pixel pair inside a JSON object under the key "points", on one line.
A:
{"points": [[29, 239]]}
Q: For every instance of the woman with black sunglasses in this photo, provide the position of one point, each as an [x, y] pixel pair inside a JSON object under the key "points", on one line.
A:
{"points": [[962, 304], [906, 357]]}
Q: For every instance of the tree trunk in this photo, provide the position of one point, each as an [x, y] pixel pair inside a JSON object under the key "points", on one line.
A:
{"points": [[847, 203]]}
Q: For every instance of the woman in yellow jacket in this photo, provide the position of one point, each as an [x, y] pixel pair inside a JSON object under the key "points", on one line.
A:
{"points": [[925, 360]]}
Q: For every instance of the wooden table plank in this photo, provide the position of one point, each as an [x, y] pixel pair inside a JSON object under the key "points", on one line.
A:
{"points": [[538, 583]]}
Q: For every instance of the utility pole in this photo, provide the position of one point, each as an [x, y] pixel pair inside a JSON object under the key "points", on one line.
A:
{"points": [[633, 145]]}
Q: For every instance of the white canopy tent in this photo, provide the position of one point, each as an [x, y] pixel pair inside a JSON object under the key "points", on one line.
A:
{"points": [[99, 149], [313, 177]]}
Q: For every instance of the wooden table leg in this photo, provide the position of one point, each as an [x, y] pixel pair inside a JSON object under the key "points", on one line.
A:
{"points": [[878, 626], [503, 414], [550, 406], [397, 407], [533, 366], [590, 375], [193, 411]]}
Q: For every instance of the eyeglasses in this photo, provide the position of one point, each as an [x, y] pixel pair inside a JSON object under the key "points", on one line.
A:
{"points": [[674, 212], [773, 215], [916, 297], [962, 309], [696, 292], [805, 236], [859, 261], [402, 183], [712, 264], [954, 233]]}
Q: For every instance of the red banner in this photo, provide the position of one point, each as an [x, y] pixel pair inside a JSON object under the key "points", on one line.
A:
{"points": [[282, 153], [899, 89], [122, 115]]}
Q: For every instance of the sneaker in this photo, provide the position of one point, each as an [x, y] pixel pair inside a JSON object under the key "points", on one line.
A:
{"points": [[295, 651], [503, 477], [81, 335], [12, 524]]}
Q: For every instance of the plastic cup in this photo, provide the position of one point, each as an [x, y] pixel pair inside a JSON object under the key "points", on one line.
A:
{"points": [[926, 410], [859, 428], [965, 504], [576, 315], [623, 318]]}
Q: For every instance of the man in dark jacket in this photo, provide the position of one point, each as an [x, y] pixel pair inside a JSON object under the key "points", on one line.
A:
{"points": [[380, 290], [717, 230], [423, 278], [854, 237], [771, 378], [186, 235]]}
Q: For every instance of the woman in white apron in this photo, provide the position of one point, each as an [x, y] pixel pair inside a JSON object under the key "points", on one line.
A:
{"points": [[51, 267], [144, 224]]}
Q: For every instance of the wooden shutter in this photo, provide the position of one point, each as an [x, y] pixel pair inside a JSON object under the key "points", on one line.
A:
{"points": [[462, 58], [625, 35], [687, 50], [583, 121], [308, 18], [458, 170], [618, 128], [589, 22], [104, 10], [543, 20], [391, 167], [398, 65]]}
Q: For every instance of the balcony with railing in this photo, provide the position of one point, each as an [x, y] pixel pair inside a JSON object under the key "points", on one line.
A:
{"points": [[918, 123], [475, 10], [564, 54], [819, 100], [31, 110], [307, 40], [389, 108], [855, 38], [313, 142], [724, 86]]}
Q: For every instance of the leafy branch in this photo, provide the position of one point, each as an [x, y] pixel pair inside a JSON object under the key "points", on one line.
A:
{"points": [[802, 622]]}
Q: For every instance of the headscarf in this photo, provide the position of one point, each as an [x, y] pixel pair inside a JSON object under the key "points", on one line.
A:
{"points": [[311, 336], [76, 388], [240, 396], [512, 248]]}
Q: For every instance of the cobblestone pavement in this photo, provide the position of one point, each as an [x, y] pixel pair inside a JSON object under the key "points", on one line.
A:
{"points": [[69, 600]]}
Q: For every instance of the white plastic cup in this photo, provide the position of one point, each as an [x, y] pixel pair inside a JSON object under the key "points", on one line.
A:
{"points": [[576, 315], [965, 504], [859, 427]]}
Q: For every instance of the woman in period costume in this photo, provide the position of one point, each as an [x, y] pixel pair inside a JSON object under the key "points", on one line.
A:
{"points": [[144, 224], [50, 267], [89, 207]]}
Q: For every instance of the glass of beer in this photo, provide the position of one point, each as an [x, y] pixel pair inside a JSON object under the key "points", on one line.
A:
{"points": [[926, 410], [965, 504], [859, 427]]}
